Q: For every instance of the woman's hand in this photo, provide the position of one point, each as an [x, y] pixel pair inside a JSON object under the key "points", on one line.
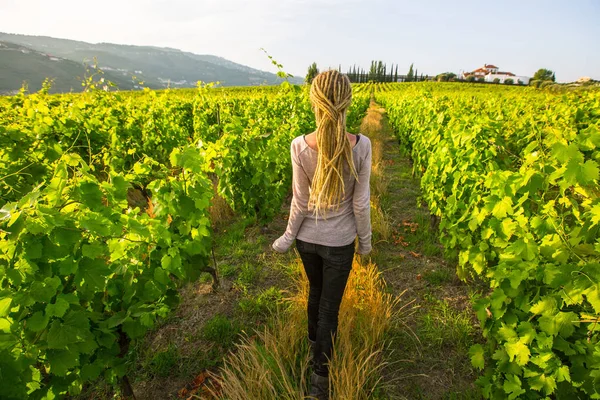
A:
{"points": [[282, 244]]}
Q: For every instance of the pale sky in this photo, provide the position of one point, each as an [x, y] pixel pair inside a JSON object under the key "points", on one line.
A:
{"points": [[437, 36]]}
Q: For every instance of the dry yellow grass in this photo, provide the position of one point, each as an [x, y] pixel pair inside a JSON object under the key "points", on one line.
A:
{"points": [[219, 211], [273, 364]]}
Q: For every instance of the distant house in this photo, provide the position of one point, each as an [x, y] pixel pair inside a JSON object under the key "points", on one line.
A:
{"points": [[490, 73]]}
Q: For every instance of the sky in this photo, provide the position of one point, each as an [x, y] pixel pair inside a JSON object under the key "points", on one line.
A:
{"points": [[437, 36]]}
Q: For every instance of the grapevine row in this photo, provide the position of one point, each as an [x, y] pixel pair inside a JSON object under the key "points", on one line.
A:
{"points": [[513, 175], [84, 267]]}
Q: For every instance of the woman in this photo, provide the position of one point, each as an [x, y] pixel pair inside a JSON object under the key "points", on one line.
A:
{"points": [[330, 208]]}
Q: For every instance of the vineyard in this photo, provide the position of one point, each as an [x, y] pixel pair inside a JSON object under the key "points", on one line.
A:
{"points": [[112, 202]]}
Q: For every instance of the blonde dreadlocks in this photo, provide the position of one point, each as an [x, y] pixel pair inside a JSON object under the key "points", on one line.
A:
{"points": [[330, 95]]}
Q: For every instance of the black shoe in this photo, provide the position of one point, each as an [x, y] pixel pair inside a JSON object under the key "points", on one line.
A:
{"points": [[311, 351], [319, 387]]}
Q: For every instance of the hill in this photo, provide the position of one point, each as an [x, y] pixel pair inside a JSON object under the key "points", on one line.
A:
{"points": [[34, 58], [19, 65]]}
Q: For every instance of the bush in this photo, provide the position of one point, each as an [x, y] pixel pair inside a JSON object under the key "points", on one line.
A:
{"points": [[545, 84], [509, 81], [535, 83], [470, 78], [481, 79], [519, 82], [496, 80]]}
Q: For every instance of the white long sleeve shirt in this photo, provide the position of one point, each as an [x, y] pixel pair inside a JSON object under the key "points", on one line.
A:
{"points": [[341, 225]]}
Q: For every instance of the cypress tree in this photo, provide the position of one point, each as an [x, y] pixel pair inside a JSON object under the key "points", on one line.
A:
{"points": [[312, 72], [411, 74]]}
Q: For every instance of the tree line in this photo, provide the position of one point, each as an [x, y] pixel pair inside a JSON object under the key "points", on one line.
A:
{"points": [[378, 72]]}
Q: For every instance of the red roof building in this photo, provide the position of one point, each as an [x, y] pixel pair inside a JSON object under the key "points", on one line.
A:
{"points": [[490, 73]]}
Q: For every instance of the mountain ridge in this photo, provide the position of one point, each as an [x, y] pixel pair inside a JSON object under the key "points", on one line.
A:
{"points": [[157, 67]]}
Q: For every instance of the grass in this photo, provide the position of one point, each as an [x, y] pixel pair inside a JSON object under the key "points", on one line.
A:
{"points": [[444, 327], [263, 304], [164, 362], [249, 274], [438, 277], [221, 330]]}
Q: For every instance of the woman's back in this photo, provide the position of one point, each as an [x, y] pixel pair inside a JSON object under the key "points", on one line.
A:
{"points": [[338, 226]]}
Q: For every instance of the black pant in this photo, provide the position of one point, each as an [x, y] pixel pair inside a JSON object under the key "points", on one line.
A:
{"points": [[327, 269]]}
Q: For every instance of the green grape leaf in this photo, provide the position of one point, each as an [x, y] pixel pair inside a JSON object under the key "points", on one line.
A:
{"points": [[512, 386], [117, 248], [61, 361], [68, 266], [541, 360], [44, 291], [507, 333], [34, 250], [89, 372], [161, 276], [37, 322], [546, 306], [566, 323], [581, 173], [595, 214], [5, 306], [539, 382], [120, 187], [563, 374], [477, 356], [592, 294], [74, 329], [93, 250], [503, 208], [58, 309], [96, 224], [518, 351], [92, 274], [134, 329], [90, 195]]}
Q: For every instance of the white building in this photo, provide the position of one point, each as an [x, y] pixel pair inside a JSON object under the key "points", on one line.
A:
{"points": [[490, 73]]}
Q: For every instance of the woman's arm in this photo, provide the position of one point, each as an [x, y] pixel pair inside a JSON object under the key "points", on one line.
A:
{"points": [[299, 206], [361, 203]]}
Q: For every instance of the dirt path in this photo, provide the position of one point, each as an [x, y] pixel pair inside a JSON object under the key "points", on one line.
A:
{"points": [[428, 346]]}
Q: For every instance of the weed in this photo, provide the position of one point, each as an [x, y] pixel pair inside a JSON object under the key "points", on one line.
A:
{"points": [[444, 326], [249, 274], [163, 362], [438, 276], [221, 330], [227, 270], [264, 303]]}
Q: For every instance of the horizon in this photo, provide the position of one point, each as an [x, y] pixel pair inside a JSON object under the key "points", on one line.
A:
{"points": [[436, 40]]}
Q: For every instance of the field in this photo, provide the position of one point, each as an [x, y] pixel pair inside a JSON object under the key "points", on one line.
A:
{"points": [[135, 253]]}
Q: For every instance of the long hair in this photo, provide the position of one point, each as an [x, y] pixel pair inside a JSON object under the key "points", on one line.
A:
{"points": [[330, 95]]}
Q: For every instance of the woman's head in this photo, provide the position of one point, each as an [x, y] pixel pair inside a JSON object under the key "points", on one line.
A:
{"points": [[330, 95]]}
